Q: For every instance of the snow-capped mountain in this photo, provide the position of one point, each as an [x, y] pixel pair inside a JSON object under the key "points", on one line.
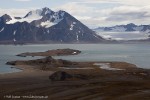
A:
{"points": [[125, 32], [45, 25], [125, 28]]}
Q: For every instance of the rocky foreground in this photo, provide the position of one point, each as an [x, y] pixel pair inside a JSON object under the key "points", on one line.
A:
{"points": [[57, 79]]}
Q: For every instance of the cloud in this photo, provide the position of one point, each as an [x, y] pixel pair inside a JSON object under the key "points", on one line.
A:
{"points": [[14, 12], [75, 9], [93, 21], [81, 11], [125, 15], [92, 1], [23, 0], [124, 2], [95, 16], [95, 13], [133, 2], [128, 13]]}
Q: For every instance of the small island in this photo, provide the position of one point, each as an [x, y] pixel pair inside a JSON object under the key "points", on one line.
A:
{"points": [[58, 79], [57, 52]]}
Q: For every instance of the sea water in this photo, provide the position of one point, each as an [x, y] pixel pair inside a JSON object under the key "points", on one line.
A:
{"points": [[138, 54]]}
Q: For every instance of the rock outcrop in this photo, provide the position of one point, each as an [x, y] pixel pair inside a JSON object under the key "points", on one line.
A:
{"points": [[60, 76]]}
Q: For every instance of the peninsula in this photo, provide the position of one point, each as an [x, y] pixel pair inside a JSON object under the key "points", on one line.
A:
{"points": [[58, 79]]}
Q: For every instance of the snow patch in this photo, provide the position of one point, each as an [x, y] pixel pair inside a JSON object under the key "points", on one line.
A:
{"points": [[47, 24], [71, 26], [14, 33], [136, 35], [119, 29], [62, 14], [74, 23], [2, 29], [31, 16], [82, 34], [47, 12], [106, 66], [107, 36], [139, 28], [147, 31], [119, 39], [77, 36], [74, 52], [27, 19], [56, 17], [14, 40], [95, 36], [37, 15], [47, 31]]}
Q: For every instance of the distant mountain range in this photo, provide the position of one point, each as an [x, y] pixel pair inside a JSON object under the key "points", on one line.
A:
{"points": [[125, 28], [125, 32], [45, 25]]}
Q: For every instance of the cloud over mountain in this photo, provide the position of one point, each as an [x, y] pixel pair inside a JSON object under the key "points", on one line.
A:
{"points": [[96, 12]]}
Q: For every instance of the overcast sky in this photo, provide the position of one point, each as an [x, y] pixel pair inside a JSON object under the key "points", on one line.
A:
{"points": [[93, 13]]}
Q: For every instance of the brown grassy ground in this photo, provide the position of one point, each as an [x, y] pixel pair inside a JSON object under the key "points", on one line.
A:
{"points": [[129, 84]]}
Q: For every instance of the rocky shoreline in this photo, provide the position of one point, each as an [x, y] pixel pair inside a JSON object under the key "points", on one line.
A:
{"points": [[59, 79], [49, 63]]}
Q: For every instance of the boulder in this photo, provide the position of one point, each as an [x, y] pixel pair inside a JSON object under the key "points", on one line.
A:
{"points": [[60, 76], [11, 63]]}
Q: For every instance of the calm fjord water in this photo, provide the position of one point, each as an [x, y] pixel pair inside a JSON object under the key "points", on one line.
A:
{"points": [[138, 54]]}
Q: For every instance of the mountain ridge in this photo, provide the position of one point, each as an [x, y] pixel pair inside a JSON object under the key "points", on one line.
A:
{"points": [[125, 32], [46, 25], [125, 28]]}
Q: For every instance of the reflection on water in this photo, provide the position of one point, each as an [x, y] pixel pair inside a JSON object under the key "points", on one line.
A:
{"points": [[138, 54]]}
